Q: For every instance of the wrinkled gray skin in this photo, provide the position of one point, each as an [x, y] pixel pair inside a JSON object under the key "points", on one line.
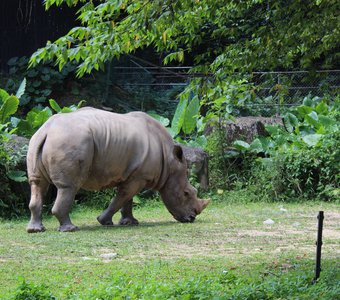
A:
{"points": [[94, 149]]}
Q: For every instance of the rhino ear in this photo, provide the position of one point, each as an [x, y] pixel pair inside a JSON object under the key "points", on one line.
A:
{"points": [[178, 152]]}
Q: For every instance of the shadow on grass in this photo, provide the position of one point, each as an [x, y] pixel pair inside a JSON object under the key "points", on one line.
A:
{"points": [[128, 227]]}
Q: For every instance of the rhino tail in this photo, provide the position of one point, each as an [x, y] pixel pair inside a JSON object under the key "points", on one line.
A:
{"points": [[34, 155]]}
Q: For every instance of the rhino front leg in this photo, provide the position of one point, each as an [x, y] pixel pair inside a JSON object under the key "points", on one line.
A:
{"points": [[38, 192], [127, 216], [62, 207], [125, 193]]}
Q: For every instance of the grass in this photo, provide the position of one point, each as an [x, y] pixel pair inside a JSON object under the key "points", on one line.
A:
{"points": [[227, 249]]}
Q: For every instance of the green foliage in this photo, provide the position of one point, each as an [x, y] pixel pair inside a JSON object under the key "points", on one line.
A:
{"points": [[236, 35], [225, 41], [34, 119], [8, 106], [186, 114], [223, 285], [304, 126], [37, 116], [40, 82], [29, 291], [225, 164], [66, 109], [311, 172], [302, 158], [12, 200]]}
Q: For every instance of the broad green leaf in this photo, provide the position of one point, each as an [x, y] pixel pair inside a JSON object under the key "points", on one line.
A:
{"points": [[31, 115], [15, 121], [25, 128], [190, 118], [42, 117], [55, 106], [305, 130], [66, 109], [291, 121], [8, 108], [326, 121], [241, 145], [304, 110], [312, 139], [21, 89], [178, 118], [231, 153], [18, 176], [256, 146], [312, 119], [266, 143], [3, 96], [322, 108]]}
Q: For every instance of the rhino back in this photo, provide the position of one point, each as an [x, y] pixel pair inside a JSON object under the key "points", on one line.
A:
{"points": [[97, 149]]}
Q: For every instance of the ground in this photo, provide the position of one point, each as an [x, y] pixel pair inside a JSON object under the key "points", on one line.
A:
{"points": [[224, 237]]}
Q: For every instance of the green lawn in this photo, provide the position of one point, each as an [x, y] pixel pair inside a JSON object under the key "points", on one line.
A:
{"points": [[225, 239]]}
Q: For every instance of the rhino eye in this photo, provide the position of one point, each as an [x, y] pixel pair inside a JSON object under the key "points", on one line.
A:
{"points": [[186, 194]]}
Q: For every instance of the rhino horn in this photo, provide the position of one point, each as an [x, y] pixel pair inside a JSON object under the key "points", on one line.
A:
{"points": [[202, 205]]}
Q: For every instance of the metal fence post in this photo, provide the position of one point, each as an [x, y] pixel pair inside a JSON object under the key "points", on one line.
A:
{"points": [[318, 247]]}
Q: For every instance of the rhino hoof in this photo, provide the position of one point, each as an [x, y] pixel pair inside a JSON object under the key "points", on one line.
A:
{"points": [[105, 222], [128, 221], [35, 229], [68, 228]]}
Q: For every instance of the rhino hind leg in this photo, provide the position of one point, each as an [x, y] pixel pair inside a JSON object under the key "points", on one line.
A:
{"points": [[38, 192], [127, 216], [62, 207], [125, 193]]}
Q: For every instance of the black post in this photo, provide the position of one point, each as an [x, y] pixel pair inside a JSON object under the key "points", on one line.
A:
{"points": [[318, 247]]}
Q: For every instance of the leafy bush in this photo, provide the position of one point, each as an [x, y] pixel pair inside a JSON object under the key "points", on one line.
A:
{"points": [[10, 202], [310, 172], [29, 291], [301, 159], [42, 80]]}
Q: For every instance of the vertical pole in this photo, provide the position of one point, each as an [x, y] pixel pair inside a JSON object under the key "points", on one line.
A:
{"points": [[318, 247], [278, 111]]}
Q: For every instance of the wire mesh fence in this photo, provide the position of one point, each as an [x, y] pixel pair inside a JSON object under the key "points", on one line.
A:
{"points": [[274, 91], [278, 90]]}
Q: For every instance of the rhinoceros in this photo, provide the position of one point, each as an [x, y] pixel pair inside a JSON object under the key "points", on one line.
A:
{"points": [[94, 149]]}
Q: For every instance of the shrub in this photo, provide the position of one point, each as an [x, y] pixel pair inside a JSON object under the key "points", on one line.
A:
{"points": [[29, 291], [310, 172], [301, 160], [42, 80]]}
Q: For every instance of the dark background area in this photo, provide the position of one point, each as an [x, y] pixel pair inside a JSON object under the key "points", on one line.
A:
{"points": [[25, 26]]}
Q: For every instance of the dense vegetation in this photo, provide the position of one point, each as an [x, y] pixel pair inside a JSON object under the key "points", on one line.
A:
{"points": [[224, 41], [299, 159], [223, 36]]}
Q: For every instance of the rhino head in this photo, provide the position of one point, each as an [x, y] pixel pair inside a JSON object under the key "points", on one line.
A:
{"points": [[178, 195]]}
